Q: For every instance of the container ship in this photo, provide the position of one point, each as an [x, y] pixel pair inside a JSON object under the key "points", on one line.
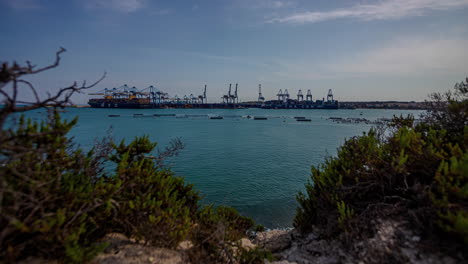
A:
{"points": [[122, 97], [151, 97]]}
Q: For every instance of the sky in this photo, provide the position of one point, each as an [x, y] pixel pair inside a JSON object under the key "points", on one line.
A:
{"points": [[363, 50]]}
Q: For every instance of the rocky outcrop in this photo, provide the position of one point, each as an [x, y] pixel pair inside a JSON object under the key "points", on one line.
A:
{"points": [[274, 240], [289, 246], [122, 250], [391, 243]]}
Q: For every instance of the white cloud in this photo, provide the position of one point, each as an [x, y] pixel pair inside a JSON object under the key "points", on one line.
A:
{"points": [[264, 4], [409, 56], [126, 6], [278, 4], [381, 10]]}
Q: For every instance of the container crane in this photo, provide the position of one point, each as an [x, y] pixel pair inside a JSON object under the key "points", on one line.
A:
{"points": [[260, 96], [309, 96], [300, 96], [330, 96]]}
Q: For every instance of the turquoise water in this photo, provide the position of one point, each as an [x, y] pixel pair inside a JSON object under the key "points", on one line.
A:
{"points": [[256, 166]]}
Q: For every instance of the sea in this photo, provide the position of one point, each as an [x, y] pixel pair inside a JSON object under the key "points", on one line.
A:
{"points": [[255, 166]]}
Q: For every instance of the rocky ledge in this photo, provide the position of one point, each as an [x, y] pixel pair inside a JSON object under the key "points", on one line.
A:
{"points": [[392, 243]]}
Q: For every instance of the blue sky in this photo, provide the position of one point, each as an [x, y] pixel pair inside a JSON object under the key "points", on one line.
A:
{"points": [[363, 50]]}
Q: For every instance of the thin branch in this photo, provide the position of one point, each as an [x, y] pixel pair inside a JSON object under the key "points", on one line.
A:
{"points": [[36, 96], [55, 64]]}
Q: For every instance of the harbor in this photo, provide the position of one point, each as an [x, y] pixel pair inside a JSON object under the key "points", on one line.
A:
{"points": [[152, 97]]}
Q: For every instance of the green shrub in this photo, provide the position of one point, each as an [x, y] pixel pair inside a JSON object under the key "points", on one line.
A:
{"points": [[217, 233], [259, 228], [450, 194], [414, 170], [50, 194], [255, 256], [57, 201], [154, 205]]}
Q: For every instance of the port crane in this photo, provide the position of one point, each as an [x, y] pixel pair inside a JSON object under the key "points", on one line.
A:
{"points": [[280, 95], [309, 95], [330, 96], [286, 96], [230, 98], [233, 98], [300, 96], [260, 96], [122, 92], [227, 96], [283, 96], [151, 97], [202, 98]]}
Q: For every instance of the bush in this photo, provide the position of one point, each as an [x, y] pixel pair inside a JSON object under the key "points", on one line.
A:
{"points": [[53, 202], [217, 234], [154, 205], [417, 171], [58, 202]]}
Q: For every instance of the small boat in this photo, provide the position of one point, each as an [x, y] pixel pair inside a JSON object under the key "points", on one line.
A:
{"points": [[113, 115], [303, 120], [216, 117], [164, 115], [143, 116], [260, 118]]}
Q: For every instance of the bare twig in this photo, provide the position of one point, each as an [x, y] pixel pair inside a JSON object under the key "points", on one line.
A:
{"points": [[14, 75]]}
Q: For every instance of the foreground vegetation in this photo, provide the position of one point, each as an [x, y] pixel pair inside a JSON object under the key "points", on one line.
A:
{"points": [[414, 172], [58, 201]]}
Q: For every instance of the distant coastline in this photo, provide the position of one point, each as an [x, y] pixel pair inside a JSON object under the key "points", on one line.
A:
{"points": [[411, 105], [394, 105]]}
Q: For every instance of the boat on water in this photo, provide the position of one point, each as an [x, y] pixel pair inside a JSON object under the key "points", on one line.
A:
{"points": [[124, 97]]}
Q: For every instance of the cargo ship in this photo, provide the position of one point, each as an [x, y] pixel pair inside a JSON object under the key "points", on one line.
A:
{"points": [[123, 97], [120, 103]]}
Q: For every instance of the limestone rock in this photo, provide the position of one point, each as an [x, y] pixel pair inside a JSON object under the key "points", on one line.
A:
{"points": [[247, 244], [124, 251], [274, 240]]}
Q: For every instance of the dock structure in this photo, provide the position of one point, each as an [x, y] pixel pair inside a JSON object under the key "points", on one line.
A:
{"points": [[152, 97]]}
